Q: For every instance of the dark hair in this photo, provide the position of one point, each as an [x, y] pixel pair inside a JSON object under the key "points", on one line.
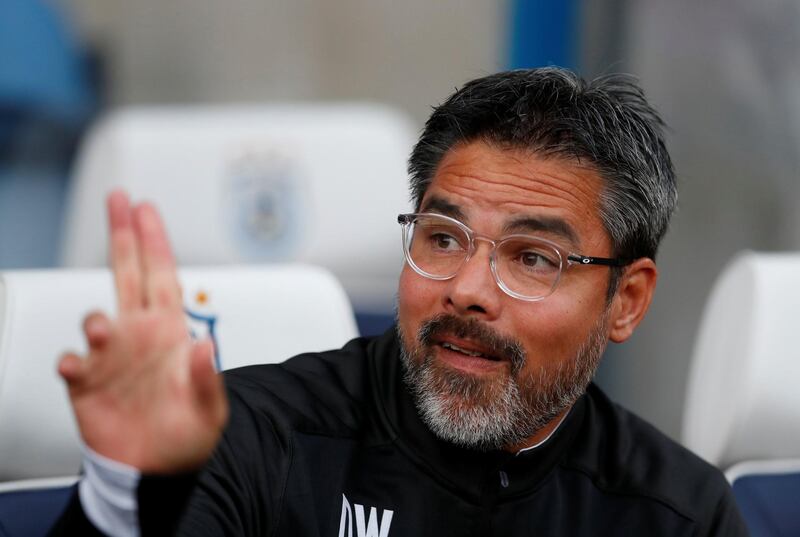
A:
{"points": [[606, 124]]}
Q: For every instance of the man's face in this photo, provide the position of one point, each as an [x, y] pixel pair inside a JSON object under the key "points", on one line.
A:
{"points": [[540, 354]]}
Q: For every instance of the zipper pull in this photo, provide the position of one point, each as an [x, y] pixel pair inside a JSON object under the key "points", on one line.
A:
{"points": [[503, 479]]}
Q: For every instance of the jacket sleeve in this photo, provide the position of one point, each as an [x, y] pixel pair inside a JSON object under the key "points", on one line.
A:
{"points": [[161, 501]]}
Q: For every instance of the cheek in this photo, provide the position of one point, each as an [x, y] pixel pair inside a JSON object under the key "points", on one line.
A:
{"points": [[416, 300], [552, 330]]}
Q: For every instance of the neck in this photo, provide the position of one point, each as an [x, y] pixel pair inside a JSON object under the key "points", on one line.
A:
{"points": [[541, 436]]}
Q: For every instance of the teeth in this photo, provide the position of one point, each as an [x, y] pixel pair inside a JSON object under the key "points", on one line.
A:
{"points": [[464, 351]]}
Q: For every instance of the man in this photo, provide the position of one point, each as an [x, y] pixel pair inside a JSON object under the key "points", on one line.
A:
{"points": [[540, 203]]}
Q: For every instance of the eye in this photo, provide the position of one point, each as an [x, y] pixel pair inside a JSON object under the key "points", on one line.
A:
{"points": [[532, 259], [535, 260], [441, 240]]}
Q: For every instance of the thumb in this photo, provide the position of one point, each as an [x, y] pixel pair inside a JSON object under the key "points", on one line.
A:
{"points": [[72, 369], [208, 386]]}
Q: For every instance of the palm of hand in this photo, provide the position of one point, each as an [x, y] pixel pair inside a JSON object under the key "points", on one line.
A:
{"points": [[145, 395]]}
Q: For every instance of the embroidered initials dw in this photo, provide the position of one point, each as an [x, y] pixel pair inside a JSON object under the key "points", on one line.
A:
{"points": [[371, 527]]}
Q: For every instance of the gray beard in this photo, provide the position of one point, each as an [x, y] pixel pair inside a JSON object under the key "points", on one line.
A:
{"points": [[491, 413]]}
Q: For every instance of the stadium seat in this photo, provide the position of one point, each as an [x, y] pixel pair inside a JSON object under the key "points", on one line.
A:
{"points": [[743, 404], [255, 314], [767, 493], [312, 183]]}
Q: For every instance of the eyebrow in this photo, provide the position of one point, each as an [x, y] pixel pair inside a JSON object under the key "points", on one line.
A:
{"points": [[440, 205], [543, 224], [539, 224]]}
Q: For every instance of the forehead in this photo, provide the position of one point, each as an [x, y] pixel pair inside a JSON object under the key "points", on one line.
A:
{"points": [[492, 189]]}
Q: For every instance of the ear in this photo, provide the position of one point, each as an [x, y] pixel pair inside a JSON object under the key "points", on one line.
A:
{"points": [[632, 299]]}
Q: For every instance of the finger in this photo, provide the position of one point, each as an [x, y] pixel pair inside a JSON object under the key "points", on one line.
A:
{"points": [[97, 328], [72, 369], [124, 252], [161, 287], [209, 389]]}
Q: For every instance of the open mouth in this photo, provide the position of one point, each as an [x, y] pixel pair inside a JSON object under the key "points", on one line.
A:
{"points": [[471, 345], [474, 353]]}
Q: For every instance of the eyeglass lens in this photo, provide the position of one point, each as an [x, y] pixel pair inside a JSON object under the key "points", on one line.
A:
{"points": [[525, 265]]}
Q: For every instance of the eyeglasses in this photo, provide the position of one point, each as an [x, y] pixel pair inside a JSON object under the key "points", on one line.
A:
{"points": [[524, 266]]}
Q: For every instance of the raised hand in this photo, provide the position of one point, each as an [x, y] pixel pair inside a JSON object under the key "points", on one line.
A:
{"points": [[145, 395]]}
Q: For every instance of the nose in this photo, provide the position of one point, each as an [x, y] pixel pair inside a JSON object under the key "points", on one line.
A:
{"points": [[473, 291]]}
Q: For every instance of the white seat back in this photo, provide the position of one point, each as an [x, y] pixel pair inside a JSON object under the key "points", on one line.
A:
{"points": [[309, 183], [743, 399], [258, 314]]}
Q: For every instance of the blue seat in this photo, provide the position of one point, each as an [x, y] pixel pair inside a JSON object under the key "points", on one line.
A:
{"points": [[42, 67], [46, 97], [768, 495], [31, 512]]}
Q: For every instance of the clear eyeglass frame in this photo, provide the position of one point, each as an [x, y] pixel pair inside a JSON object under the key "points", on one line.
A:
{"points": [[565, 258]]}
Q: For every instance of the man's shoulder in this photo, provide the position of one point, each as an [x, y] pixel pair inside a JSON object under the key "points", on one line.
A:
{"points": [[625, 455], [323, 366], [317, 391]]}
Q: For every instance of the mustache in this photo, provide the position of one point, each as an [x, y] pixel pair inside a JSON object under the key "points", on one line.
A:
{"points": [[498, 345]]}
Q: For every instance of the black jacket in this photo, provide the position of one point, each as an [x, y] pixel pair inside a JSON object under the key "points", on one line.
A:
{"points": [[330, 444]]}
